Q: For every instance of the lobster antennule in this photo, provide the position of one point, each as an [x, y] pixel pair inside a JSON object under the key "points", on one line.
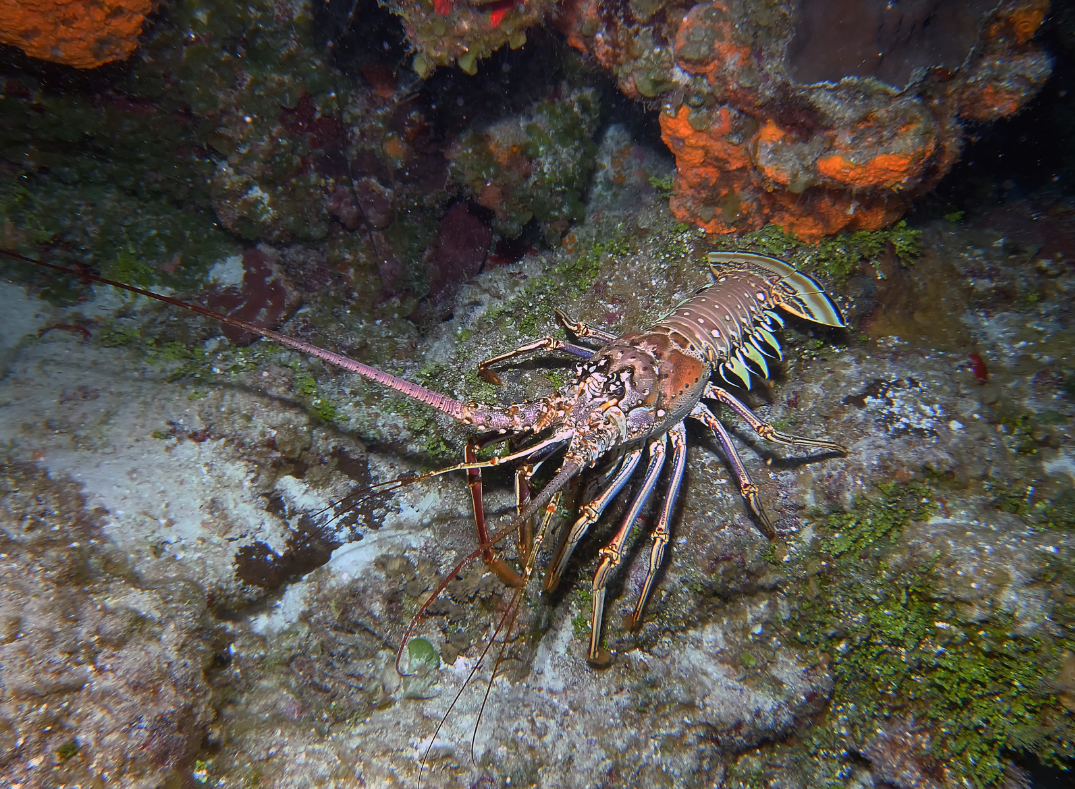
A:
{"points": [[800, 293], [453, 408]]}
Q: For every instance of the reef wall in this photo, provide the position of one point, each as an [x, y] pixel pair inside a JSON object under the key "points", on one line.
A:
{"points": [[74, 32], [814, 116]]}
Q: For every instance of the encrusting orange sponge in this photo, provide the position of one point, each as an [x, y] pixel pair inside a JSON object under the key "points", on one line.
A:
{"points": [[80, 33]]}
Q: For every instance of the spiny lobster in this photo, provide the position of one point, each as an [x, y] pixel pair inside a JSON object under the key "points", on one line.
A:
{"points": [[630, 395]]}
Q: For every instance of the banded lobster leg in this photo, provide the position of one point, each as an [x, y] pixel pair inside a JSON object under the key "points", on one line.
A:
{"points": [[522, 498], [544, 344], [582, 330], [523, 473], [474, 479], [678, 436], [612, 554], [763, 428], [590, 513], [747, 488]]}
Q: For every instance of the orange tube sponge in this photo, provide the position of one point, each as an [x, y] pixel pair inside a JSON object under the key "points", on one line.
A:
{"points": [[81, 33]]}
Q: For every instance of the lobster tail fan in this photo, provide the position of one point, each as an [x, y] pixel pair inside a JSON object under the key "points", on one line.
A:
{"points": [[798, 293], [812, 305], [736, 369]]}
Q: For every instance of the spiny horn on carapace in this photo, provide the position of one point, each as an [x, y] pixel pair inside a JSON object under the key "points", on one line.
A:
{"points": [[629, 399]]}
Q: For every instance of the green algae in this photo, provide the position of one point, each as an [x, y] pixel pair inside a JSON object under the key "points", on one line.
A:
{"points": [[438, 446], [836, 258], [313, 395], [898, 650], [662, 185], [524, 315], [423, 655], [68, 750], [130, 170], [188, 360], [143, 239], [1056, 511]]}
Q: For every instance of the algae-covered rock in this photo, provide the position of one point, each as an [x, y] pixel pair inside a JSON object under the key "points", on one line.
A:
{"points": [[532, 166]]}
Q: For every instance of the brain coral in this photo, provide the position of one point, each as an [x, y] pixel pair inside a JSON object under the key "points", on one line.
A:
{"points": [[818, 116], [82, 33]]}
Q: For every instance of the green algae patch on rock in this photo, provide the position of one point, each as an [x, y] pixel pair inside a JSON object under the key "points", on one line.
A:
{"points": [[836, 258], [145, 239], [205, 119], [917, 683]]}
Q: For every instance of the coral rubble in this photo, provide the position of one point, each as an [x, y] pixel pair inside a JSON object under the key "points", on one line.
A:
{"points": [[74, 32], [765, 129]]}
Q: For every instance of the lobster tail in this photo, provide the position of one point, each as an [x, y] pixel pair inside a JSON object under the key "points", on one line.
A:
{"points": [[798, 293]]}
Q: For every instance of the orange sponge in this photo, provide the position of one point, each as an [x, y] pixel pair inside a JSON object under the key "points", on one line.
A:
{"points": [[81, 33]]}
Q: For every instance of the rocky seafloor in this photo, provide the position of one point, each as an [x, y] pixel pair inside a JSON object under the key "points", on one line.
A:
{"points": [[201, 584], [179, 602]]}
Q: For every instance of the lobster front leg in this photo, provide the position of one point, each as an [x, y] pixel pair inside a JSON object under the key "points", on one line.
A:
{"points": [[747, 488], [522, 498], [763, 428], [590, 513], [544, 344], [612, 554]]}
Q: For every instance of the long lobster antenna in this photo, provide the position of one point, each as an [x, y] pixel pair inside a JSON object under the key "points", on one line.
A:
{"points": [[449, 406]]}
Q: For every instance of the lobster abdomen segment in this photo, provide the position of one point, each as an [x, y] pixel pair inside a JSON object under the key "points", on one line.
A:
{"points": [[798, 293], [713, 323], [730, 323]]}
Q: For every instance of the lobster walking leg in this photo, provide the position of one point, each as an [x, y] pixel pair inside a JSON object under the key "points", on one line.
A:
{"points": [[612, 554], [678, 436], [544, 344], [746, 487], [590, 513], [522, 498], [582, 330], [763, 428]]}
